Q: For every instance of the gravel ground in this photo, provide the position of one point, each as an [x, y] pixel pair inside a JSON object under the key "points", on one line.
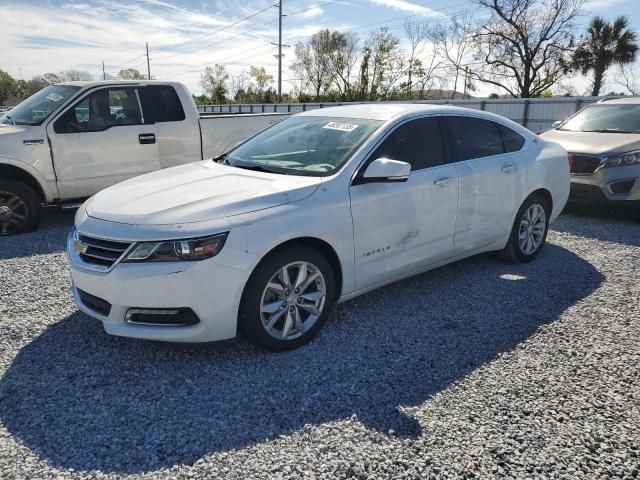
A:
{"points": [[479, 369]]}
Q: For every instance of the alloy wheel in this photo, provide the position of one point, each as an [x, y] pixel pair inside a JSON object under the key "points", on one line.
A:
{"points": [[293, 300], [532, 229], [13, 213]]}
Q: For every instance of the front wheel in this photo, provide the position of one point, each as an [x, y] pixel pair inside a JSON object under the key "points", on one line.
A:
{"points": [[20, 208], [287, 299], [529, 232]]}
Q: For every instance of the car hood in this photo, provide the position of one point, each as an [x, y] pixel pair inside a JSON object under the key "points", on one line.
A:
{"points": [[196, 192], [593, 142]]}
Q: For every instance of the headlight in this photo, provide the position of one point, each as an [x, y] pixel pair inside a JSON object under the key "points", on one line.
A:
{"points": [[177, 250], [629, 158]]}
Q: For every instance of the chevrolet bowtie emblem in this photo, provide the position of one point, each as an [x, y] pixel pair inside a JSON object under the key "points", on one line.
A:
{"points": [[79, 246]]}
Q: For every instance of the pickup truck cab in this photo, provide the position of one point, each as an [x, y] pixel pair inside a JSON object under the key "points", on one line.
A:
{"points": [[71, 140]]}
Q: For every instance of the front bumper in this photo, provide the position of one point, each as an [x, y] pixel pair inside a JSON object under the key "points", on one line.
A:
{"points": [[210, 288], [613, 184]]}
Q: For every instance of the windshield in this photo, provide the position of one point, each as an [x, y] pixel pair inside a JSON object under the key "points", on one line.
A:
{"points": [[605, 118], [35, 109], [311, 146]]}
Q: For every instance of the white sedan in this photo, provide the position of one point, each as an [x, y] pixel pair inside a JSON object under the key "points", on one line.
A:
{"points": [[322, 207]]}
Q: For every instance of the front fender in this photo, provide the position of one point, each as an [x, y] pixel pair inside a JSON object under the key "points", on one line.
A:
{"points": [[48, 185]]}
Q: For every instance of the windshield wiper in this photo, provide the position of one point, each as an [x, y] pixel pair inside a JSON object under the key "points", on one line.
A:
{"points": [[608, 130], [257, 168]]}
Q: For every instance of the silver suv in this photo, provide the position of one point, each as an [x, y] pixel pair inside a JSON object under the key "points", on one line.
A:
{"points": [[603, 141]]}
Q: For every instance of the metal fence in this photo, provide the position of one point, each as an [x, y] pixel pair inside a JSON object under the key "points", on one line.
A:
{"points": [[537, 114]]}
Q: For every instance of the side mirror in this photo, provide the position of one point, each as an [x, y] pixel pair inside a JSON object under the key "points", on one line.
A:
{"points": [[386, 170], [556, 124]]}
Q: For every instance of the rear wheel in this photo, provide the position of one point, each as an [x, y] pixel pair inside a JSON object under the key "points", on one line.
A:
{"points": [[20, 208], [529, 232], [287, 299]]}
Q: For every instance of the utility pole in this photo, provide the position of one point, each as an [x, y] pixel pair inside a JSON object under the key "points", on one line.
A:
{"points": [[466, 75], [279, 49], [148, 65], [280, 45], [104, 75]]}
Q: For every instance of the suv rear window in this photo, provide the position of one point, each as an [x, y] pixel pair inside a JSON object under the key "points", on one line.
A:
{"points": [[161, 104]]}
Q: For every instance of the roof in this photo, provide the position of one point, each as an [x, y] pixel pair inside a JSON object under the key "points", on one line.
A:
{"points": [[388, 111], [621, 101], [92, 83]]}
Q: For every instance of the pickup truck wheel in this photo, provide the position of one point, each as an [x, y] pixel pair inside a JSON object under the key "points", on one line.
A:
{"points": [[20, 208], [287, 299]]}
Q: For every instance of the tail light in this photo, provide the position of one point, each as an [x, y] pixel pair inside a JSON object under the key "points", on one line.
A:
{"points": [[570, 159]]}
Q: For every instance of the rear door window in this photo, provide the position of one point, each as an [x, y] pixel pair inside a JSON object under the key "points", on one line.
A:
{"points": [[511, 139], [417, 142], [162, 104], [474, 137]]}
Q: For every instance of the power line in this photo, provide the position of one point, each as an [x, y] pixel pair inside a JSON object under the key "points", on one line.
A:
{"points": [[356, 28]]}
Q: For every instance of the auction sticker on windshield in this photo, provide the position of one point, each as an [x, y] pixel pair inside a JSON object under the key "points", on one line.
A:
{"points": [[342, 126], [54, 97]]}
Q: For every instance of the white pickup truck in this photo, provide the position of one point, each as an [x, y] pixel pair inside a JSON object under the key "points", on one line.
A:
{"points": [[71, 140]]}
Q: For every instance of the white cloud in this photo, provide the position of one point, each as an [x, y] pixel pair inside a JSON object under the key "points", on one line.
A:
{"points": [[406, 6], [312, 12]]}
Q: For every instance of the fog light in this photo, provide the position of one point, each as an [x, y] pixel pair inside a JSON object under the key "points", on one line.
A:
{"points": [[162, 316]]}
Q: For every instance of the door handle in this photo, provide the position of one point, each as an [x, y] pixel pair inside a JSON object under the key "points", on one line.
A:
{"points": [[443, 182], [145, 138], [509, 168]]}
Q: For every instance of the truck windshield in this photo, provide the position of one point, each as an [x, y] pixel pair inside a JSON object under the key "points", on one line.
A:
{"points": [[301, 145], [37, 108], [605, 119]]}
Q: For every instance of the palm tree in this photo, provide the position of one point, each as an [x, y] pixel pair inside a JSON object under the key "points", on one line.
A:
{"points": [[603, 45]]}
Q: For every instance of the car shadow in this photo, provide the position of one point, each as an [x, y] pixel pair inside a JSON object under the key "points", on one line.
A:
{"points": [[81, 399], [587, 220], [51, 237]]}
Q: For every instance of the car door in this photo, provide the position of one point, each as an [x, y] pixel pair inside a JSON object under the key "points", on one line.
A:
{"points": [[490, 179], [403, 226], [101, 140]]}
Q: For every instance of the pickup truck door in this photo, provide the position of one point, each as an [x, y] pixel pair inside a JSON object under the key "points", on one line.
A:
{"points": [[101, 140], [404, 226], [177, 132]]}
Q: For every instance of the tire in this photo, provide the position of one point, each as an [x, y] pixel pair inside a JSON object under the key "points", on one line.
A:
{"points": [[521, 251], [20, 208], [267, 299]]}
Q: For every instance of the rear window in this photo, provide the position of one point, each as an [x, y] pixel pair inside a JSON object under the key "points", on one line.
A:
{"points": [[161, 104]]}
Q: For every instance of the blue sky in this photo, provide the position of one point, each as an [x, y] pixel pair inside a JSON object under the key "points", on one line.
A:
{"points": [[39, 36]]}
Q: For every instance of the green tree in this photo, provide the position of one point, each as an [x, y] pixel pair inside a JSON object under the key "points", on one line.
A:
{"points": [[603, 45], [214, 81], [130, 74], [7, 86]]}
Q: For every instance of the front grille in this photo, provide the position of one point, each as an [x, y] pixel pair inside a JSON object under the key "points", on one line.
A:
{"points": [[586, 194], [584, 164], [94, 303], [101, 252]]}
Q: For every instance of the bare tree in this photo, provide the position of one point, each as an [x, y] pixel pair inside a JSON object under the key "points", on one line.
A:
{"points": [[454, 42], [417, 33], [342, 57], [312, 59], [525, 46], [629, 78], [238, 83], [75, 75]]}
